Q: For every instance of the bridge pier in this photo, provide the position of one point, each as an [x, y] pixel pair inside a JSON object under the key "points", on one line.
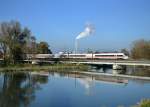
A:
{"points": [[34, 62], [118, 67], [115, 72]]}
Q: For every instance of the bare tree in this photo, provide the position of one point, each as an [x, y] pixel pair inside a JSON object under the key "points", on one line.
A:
{"points": [[13, 39], [141, 49]]}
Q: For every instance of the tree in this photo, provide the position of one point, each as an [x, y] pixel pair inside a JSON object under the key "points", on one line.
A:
{"points": [[31, 46], [125, 51], [13, 40], [43, 48], [16, 42], [18, 89], [141, 49]]}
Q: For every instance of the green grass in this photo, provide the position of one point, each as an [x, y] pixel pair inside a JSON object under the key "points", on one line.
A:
{"points": [[143, 103], [30, 67]]}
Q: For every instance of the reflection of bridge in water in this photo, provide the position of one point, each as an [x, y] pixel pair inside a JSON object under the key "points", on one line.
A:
{"points": [[84, 76], [86, 80]]}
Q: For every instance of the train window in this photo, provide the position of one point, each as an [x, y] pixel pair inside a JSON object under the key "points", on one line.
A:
{"points": [[104, 55], [119, 55], [63, 55]]}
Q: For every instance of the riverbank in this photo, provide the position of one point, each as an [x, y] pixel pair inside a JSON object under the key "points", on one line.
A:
{"points": [[54, 67]]}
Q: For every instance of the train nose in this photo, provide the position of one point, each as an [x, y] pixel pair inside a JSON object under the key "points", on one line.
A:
{"points": [[126, 57]]}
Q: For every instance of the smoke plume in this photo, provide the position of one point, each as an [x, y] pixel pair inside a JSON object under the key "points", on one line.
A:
{"points": [[88, 31]]}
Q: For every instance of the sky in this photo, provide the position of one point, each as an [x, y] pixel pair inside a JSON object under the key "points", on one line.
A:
{"points": [[117, 23]]}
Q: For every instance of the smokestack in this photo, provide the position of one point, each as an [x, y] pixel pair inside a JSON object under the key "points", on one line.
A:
{"points": [[76, 46], [89, 29]]}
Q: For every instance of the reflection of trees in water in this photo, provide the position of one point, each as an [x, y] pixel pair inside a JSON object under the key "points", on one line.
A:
{"points": [[138, 71], [19, 89]]}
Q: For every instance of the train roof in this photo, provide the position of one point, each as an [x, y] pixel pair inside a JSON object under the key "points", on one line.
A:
{"points": [[111, 53], [97, 53]]}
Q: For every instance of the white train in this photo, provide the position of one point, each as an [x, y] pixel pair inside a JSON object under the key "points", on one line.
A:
{"points": [[78, 56], [96, 56]]}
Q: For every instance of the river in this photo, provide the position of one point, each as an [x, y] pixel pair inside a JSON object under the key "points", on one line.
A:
{"points": [[53, 89]]}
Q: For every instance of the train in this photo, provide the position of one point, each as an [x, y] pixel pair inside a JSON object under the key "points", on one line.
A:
{"points": [[109, 56], [95, 56]]}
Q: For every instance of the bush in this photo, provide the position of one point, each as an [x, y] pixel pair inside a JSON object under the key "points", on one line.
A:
{"points": [[145, 103]]}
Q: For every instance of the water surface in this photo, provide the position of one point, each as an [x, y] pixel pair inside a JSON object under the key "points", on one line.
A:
{"points": [[51, 89]]}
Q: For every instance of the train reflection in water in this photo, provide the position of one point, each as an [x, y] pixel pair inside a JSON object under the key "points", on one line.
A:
{"points": [[86, 80], [84, 77]]}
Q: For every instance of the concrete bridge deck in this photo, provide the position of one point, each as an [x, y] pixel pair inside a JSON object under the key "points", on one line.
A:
{"points": [[112, 62]]}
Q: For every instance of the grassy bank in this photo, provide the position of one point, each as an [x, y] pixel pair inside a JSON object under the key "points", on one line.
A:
{"points": [[142, 103], [29, 67]]}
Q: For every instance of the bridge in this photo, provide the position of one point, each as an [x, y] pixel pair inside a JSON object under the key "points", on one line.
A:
{"points": [[115, 64], [111, 62]]}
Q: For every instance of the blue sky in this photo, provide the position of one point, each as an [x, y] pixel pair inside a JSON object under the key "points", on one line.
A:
{"points": [[117, 22]]}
